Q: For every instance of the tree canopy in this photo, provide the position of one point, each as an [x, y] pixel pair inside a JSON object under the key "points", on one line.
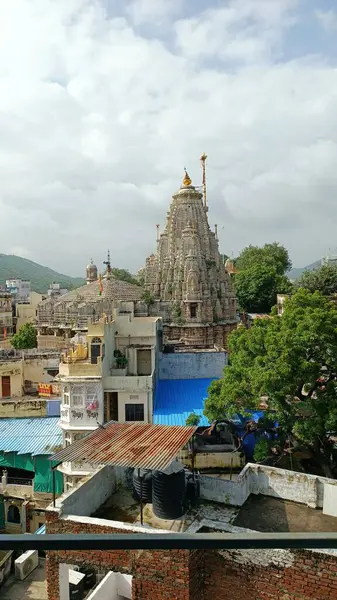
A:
{"points": [[124, 275], [323, 280], [274, 255], [261, 277], [292, 360], [25, 338], [257, 287]]}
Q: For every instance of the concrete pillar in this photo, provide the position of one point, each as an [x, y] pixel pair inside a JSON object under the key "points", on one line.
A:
{"points": [[64, 581], [4, 479]]}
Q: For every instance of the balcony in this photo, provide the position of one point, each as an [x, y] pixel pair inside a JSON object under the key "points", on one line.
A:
{"points": [[16, 487], [128, 383], [76, 363]]}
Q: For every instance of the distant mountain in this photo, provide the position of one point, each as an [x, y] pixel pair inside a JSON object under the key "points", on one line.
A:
{"points": [[15, 267], [297, 272]]}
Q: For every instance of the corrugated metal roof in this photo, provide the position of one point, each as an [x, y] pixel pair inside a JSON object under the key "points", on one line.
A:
{"points": [[177, 398], [30, 436], [41, 530], [138, 445]]}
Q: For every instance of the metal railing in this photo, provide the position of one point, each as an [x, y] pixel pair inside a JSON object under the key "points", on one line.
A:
{"points": [[170, 541], [19, 481]]}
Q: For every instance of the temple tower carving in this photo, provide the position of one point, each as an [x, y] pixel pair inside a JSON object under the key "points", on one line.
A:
{"points": [[186, 276]]}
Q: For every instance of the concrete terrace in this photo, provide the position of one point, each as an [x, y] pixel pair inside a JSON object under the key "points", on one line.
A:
{"points": [[32, 588]]}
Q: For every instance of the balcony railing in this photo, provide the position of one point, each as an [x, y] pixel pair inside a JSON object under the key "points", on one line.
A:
{"points": [[169, 541], [19, 481]]}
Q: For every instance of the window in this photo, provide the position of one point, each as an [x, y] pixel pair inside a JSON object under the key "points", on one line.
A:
{"points": [[66, 396], [134, 412], [67, 440], [78, 436], [77, 396], [13, 514], [91, 393], [193, 310]]}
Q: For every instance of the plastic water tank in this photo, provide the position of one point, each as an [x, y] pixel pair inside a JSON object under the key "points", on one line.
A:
{"points": [[168, 492], [146, 485]]}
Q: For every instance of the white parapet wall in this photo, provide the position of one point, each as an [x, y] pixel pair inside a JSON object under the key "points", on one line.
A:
{"points": [[304, 488]]}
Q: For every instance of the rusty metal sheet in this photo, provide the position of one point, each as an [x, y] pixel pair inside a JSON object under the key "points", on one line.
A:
{"points": [[138, 445]]}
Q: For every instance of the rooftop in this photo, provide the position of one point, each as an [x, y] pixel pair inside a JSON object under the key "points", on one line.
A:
{"points": [[263, 513], [112, 289], [30, 436], [133, 444], [176, 399], [121, 506]]}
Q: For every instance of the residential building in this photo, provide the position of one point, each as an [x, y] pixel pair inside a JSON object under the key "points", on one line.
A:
{"points": [[259, 499], [26, 311], [6, 316], [111, 376], [25, 478], [186, 278], [55, 290], [19, 288], [21, 372], [281, 298]]}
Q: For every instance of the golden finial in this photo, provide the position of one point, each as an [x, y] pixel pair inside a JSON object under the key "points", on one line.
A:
{"points": [[187, 180]]}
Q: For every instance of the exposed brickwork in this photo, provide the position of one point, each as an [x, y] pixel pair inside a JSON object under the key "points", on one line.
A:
{"points": [[307, 576], [162, 575], [184, 575]]}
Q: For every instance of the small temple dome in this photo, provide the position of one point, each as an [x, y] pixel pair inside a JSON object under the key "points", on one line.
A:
{"points": [[92, 273]]}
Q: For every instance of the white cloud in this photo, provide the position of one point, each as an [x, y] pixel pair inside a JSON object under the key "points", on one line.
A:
{"points": [[328, 19], [97, 122]]}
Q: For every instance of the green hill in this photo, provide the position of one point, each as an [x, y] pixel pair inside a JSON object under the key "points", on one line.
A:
{"points": [[298, 271], [15, 267]]}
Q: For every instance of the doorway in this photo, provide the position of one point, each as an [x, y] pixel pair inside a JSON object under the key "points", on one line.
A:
{"points": [[6, 386], [95, 350], [144, 366], [110, 406]]}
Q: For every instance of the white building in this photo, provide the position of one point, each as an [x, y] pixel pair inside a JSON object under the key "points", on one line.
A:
{"points": [[109, 377], [19, 288]]}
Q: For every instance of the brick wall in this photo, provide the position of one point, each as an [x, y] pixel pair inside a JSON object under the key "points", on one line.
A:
{"points": [[197, 575], [270, 574], [162, 575]]}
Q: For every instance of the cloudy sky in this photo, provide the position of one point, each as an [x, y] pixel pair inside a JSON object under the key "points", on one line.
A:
{"points": [[103, 102]]}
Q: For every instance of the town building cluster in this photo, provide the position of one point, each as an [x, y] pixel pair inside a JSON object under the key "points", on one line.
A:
{"points": [[122, 366]]}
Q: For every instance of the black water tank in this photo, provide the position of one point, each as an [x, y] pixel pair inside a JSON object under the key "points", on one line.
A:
{"points": [[146, 485], [168, 494]]}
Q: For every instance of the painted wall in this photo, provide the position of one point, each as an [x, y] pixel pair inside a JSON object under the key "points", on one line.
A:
{"points": [[192, 365], [114, 586], [13, 369], [127, 398], [26, 313], [268, 481], [97, 490]]}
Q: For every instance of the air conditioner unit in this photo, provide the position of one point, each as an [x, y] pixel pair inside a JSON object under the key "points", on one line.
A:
{"points": [[26, 563]]}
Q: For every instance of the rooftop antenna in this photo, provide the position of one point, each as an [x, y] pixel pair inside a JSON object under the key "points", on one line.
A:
{"points": [[157, 226], [203, 159]]}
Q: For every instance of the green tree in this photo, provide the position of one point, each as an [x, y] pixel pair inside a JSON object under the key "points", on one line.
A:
{"points": [[124, 275], [323, 280], [193, 419], [261, 277], [257, 288], [292, 360], [274, 255], [25, 338]]}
